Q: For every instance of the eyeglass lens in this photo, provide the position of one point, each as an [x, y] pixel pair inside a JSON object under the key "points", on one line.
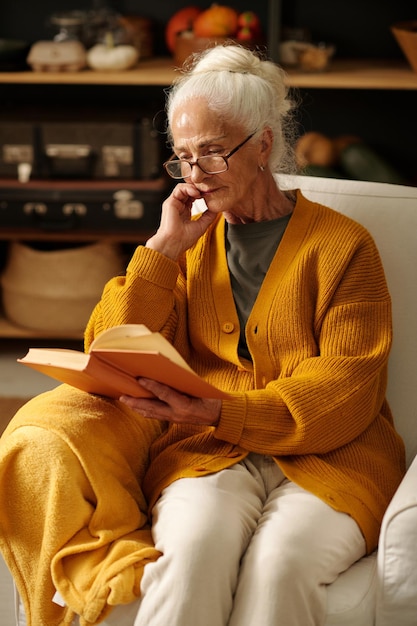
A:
{"points": [[180, 168], [209, 165]]}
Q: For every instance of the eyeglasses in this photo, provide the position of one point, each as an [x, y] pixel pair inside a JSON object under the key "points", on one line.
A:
{"points": [[210, 164]]}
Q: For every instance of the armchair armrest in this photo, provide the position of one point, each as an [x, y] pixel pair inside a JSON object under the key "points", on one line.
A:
{"points": [[397, 557]]}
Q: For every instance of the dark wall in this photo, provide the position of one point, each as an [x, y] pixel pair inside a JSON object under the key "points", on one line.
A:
{"points": [[358, 28]]}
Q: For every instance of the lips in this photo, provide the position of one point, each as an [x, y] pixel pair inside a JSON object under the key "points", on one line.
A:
{"points": [[206, 192]]}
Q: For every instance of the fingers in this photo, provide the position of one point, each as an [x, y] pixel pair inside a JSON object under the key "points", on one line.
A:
{"points": [[177, 231], [170, 405], [167, 404], [185, 194], [177, 208], [186, 190], [153, 409]]}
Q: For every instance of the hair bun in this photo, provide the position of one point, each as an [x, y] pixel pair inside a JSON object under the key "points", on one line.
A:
{"points": [[232, 58]]}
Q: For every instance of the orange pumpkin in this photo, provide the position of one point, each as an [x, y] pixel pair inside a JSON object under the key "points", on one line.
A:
{"points": [[314, 148], [181, 21], [217, 21]]}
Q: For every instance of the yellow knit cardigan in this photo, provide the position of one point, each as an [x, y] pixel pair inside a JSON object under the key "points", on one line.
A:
{"points": [[319, 334]]}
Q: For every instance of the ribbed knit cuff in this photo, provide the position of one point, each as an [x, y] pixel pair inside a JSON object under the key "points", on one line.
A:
{"points": [[154, 267], [232, 420]]}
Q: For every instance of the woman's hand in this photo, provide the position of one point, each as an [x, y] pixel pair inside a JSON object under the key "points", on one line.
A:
{"points": [[172, 406], [177, 231]]}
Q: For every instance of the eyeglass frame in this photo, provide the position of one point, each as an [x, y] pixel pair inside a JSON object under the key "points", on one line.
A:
{"points": [[225, 158]]}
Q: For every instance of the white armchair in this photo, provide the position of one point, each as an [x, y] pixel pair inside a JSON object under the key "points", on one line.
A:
{"points": [[381, 589]]}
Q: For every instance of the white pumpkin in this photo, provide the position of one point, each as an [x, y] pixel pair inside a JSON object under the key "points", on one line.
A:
{"points": [[112, 58]]}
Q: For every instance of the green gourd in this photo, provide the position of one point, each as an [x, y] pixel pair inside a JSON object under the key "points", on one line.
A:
{"points": [[360, 162], [321, 170]]}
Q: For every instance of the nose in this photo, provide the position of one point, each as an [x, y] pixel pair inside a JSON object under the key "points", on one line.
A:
{"points": [[197, 173]]}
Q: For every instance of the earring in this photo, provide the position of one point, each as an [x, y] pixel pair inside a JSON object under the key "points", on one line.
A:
{"points": [[262, 168]]}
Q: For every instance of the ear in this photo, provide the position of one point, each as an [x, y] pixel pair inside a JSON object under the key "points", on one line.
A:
{"points": [[265, 145]]}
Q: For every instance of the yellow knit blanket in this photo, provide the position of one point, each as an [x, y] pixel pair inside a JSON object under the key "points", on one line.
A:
{"points": [[73, 518]]}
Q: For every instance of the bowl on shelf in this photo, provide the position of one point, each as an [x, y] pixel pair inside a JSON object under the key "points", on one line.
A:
{"points": [[306, 56], [316, 58], [406, 35]]}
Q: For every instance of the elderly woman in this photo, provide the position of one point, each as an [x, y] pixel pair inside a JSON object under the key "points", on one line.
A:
{"points": [[260, 500]]}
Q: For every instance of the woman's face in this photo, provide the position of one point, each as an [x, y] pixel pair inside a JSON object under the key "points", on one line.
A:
{"points": [[197, 131]]}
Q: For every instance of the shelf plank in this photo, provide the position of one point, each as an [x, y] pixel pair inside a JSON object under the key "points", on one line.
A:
{"points": [[341, 74], [115, 236], [347, 74], [150, 72]]}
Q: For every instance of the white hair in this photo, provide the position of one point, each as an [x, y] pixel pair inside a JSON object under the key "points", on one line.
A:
{"points": [[245, 90]]}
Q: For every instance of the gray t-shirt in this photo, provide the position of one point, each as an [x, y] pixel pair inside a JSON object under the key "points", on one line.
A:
{"points": [[250, 249]]}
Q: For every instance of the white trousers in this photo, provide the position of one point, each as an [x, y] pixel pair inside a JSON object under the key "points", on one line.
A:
{"points": [[243, 547]]}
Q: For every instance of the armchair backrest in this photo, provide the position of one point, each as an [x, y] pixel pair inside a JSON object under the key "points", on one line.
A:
{"points": [[389, 212]]}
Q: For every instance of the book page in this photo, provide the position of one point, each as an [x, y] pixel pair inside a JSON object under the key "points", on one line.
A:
{"points": [[48, 356], [137, 337], [116, 336]]}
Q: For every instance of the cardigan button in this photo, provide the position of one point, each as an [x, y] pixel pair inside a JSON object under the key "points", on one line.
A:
{"points": [[228, 327]]}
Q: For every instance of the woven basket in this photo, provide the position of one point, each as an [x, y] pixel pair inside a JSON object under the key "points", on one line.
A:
{"points": [[56, 290]]}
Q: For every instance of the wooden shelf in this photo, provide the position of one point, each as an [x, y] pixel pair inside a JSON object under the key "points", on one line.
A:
{"points": [[342, 74], [37, 234], [346, 74], [153, 72]]}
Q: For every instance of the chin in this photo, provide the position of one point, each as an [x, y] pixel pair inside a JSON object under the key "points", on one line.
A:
{"points": [[215, 204]]}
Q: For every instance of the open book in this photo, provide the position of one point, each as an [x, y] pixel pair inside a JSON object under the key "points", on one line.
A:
{"points": [[117, 357]]}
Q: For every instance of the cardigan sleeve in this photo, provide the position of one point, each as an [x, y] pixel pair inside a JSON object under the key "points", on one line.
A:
{"points": [[150, 293]]}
